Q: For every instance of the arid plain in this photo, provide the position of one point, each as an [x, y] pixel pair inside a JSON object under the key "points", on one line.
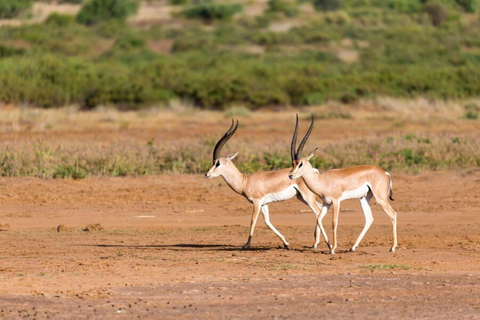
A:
{"points": [[171, 242]]}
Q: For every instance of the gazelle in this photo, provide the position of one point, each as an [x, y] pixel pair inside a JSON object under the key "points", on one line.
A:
{"points": [[262, 188], [336, 185]]}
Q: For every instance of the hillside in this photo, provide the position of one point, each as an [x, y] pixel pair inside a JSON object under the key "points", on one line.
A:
{"points": [[269, 53]]}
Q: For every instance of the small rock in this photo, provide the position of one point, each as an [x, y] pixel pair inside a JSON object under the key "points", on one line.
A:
{"points": [[93, 227], [4, 227], [62, 228]]}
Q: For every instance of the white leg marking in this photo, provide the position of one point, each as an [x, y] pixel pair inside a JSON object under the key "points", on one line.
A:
{"points": [[266, 218], [367, 212], [322, 215]]}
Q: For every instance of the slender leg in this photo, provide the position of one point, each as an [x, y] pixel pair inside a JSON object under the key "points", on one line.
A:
{"points": [[367, 212], [393, 217], [336, 213], [320, 217], [316, 232], [266, 218], [253, 222]]}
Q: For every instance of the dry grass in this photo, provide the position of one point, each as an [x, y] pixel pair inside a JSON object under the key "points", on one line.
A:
{"points": [[69, 143]]}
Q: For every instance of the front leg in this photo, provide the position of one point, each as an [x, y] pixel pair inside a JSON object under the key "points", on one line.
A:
{"points": [[319, 225], [336, 213], [253, 222], [266, 217]]}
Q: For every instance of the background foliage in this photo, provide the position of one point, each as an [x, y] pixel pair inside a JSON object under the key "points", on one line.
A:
{"points": [[216, 54]]}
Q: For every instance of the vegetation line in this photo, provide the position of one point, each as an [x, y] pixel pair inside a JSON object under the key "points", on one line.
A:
{"points": [[408, 153]]}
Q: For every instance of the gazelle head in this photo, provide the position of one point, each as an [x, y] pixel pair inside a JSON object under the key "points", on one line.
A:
{"points": [[222, 164], [300, 165]]}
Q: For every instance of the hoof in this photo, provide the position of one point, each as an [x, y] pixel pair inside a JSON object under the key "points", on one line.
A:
{"points": [[245, 247], [352, 249], [286, 247], [392, 249], [313, 247], [332, 252]]}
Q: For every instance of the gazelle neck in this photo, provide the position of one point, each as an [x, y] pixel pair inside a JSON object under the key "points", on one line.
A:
{"points": [[313, 180], [234, 178]]}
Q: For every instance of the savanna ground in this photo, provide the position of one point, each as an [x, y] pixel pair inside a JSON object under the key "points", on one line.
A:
{"points": [[171, 243]]}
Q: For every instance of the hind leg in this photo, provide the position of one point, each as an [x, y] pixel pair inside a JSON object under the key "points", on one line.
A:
{"points": [[393, 217], [367, 212]]}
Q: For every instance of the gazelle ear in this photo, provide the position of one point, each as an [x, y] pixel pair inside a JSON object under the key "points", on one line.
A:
{"points": [[231, 156], [311, 154]]}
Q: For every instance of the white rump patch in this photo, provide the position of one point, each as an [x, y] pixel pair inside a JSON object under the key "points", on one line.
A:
{"points": [[286, 194]]}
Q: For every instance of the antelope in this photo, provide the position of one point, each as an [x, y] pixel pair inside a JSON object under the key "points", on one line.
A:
{"points": [[336, 185], [262, 188]]}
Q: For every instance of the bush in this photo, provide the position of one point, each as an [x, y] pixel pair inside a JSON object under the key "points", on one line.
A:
{"points": [[286, 7], [60, 20], [179, 2], [407, 6], [12, 8], [436, 12], [209, 11], [7, 51], [327, 5], [471, 111], [468, 5], [95, 11]]}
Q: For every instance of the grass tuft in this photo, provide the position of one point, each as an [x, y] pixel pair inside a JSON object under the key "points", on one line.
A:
{"points": [[386, 267]]}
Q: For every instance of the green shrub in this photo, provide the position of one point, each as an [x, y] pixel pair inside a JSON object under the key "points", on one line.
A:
{"points": [[468, 5], [286, 7], [407, 6], [12, 8], [179, 2], [60, 20], [436, 12], [209, 11], [95, 11], [327, 5], [7, 51], [472, 111], [129, 42]]}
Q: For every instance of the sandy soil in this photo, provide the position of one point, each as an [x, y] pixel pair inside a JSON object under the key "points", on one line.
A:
{"points": [[171, 247]]}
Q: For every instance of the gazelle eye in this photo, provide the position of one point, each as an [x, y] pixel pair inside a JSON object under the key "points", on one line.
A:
{"points": [[218, 164], [300, 165]]}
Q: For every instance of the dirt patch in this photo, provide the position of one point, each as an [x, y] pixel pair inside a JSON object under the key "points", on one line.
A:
{"points": [[171, 247]]}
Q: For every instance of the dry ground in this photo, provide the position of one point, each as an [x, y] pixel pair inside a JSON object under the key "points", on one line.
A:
{"points": [[171, 247], [171, 244]]}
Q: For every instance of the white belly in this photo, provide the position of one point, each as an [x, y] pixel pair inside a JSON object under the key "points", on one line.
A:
{"points": [[286, 194], [355, 193]]}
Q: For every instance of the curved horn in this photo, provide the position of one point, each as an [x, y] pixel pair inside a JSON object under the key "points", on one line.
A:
{"points": [[294, 141], [223, 140], [304, 140]]}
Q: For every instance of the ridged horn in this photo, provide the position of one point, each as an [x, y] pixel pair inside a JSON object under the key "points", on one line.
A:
{"points": [[294, 141], [223, 140], [304, 140]]}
